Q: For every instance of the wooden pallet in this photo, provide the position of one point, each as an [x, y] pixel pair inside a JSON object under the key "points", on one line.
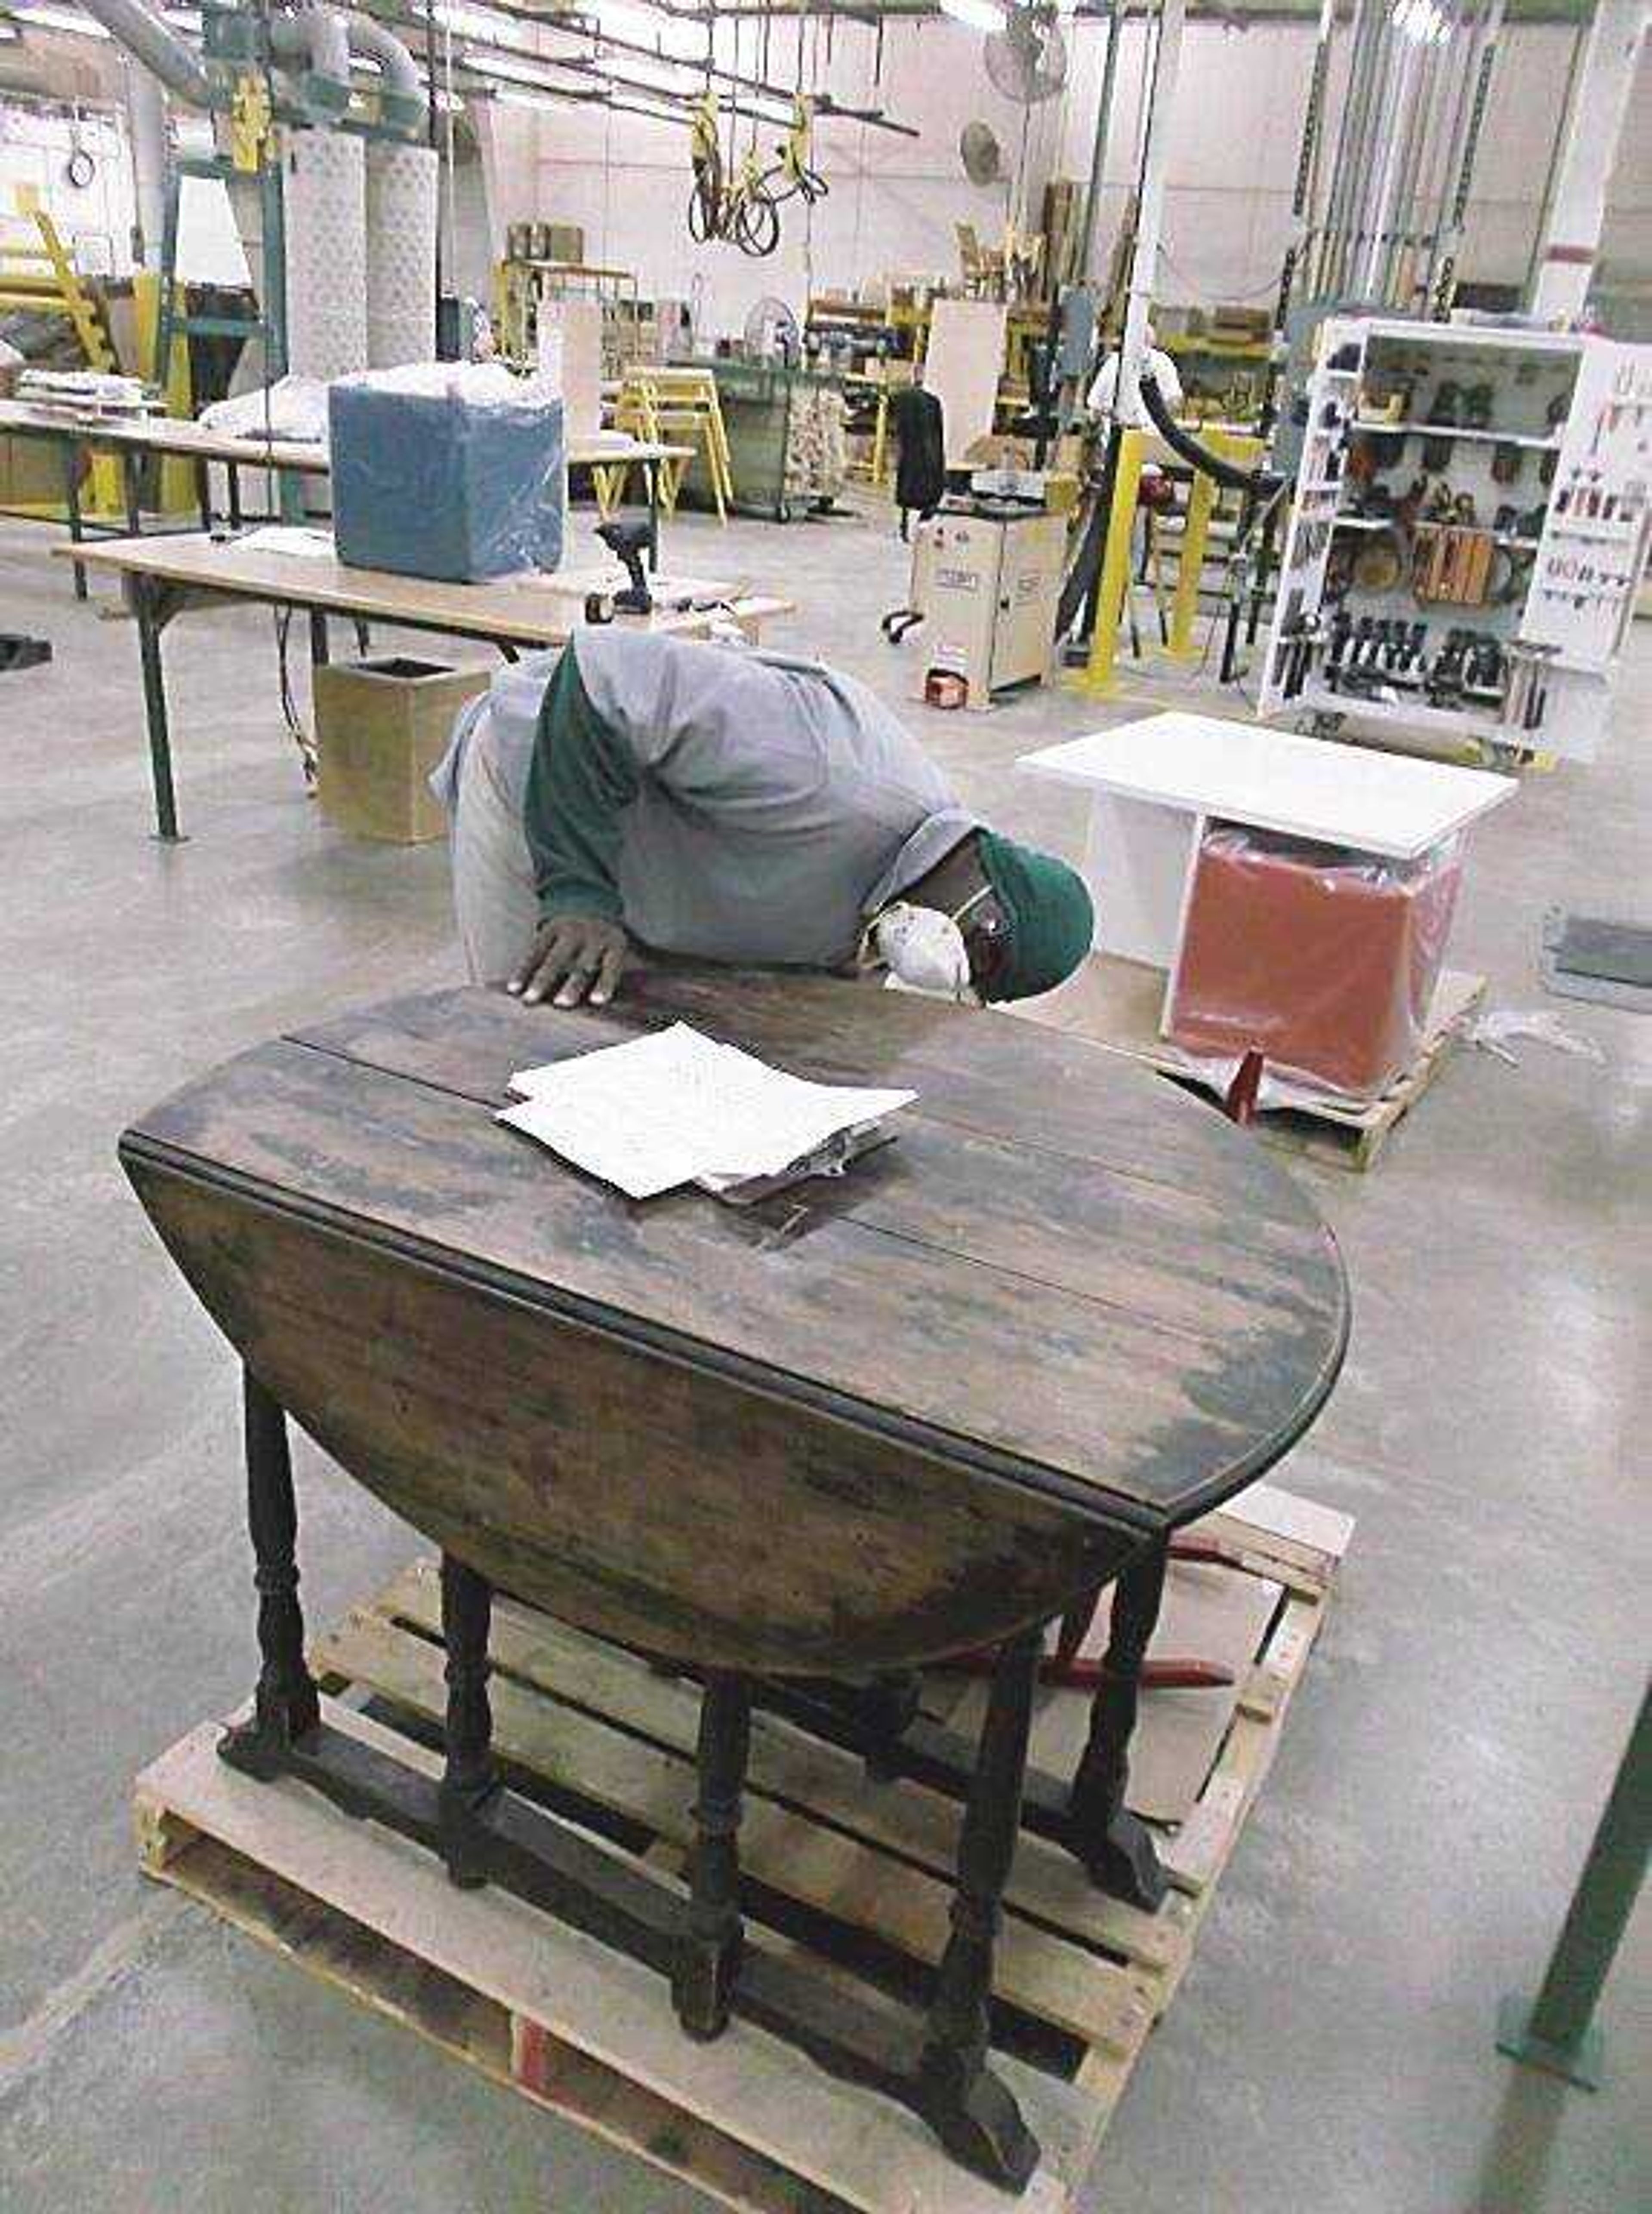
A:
{"points": [[1117, 1004], [835, 1864]]}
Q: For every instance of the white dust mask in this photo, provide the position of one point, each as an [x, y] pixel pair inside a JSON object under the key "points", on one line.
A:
{"points": [[924, 950]]}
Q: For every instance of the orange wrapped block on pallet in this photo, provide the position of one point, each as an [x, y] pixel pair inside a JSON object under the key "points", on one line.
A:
{"points": [[1322, 960]]}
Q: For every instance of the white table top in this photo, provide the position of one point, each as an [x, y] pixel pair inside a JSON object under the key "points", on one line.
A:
{"points": [[1379, 803]]}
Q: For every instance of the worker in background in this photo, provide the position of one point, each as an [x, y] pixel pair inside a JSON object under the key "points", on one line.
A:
{"points": [[1156, 363], [638, 792]]}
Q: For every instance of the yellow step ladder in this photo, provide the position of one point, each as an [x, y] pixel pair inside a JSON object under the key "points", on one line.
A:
{"points": [[679, 406]]}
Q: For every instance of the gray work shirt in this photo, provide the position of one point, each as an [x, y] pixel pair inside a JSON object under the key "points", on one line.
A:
{"points": [[780, 803]]}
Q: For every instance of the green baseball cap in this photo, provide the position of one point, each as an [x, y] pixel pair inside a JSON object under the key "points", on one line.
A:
{"points": [[1051, 920]]}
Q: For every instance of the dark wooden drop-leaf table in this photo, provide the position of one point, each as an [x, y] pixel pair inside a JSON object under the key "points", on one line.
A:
{"points": [[798, 1449]]}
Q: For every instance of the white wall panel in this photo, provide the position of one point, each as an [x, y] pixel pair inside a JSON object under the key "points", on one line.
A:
{"points": [[894, 201]]}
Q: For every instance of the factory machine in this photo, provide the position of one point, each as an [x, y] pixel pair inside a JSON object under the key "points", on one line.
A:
{"points": [[316, 166], [987, 572]]}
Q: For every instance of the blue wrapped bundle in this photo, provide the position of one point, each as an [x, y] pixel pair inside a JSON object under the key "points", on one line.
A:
{"points": [[446, 470]]}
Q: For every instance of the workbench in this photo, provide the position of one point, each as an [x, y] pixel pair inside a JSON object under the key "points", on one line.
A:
{"points": [[136, 439], [166, 572], [920, 1410]]}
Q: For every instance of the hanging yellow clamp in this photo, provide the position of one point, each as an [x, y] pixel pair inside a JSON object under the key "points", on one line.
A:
{"points": [[249, 123], [703, 125], [706, 153], [794, 153]]}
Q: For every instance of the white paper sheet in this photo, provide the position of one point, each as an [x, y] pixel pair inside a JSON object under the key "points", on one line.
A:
{"points": [[295, 538], [677, 1108]]}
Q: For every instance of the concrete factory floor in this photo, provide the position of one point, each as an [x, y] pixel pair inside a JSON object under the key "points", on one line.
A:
{"points": [[1331, 2052]]}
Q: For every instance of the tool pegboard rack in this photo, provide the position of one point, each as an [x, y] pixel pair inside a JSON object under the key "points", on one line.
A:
{"points": [[1471, 523]]}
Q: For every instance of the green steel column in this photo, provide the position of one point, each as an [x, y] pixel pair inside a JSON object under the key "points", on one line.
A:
{"points": [[1556, 2031]]}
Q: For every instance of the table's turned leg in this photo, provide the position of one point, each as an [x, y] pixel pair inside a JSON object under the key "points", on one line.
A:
{"points": [[889, 1707], [468, 1779], [971, 2111], [286, 1704], [204, 493], [1115, 1846], [709, 1960], [650, 476]]}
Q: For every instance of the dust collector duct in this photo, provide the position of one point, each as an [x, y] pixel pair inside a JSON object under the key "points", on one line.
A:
{"points": [[130, 24], [316, 36], [402, 89]]}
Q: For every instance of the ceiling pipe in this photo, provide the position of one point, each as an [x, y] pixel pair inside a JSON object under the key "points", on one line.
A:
{"points": [[401, 90], [741, 82], [131, 23], [316, 37], [146, 123]]}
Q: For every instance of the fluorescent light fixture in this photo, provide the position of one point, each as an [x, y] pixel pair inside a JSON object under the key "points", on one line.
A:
{"points": [[1423, 21], [63, 19], [663, 75], [647, 106], [643, 26], [480, 23], [530, 78], [979, 14], [627, 19], [519, 96], [767, 111]]}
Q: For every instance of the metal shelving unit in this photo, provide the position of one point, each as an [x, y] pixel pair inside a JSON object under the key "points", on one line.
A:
{"points": [[1521, 536]]}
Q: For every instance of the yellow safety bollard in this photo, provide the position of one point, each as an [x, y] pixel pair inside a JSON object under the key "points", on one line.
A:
{"points": [[1195, 534], [1096, 677], [1190, 567]]}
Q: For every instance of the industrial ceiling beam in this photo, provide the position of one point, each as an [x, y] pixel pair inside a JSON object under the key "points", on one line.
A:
{"points": [[583, 22], [1226, 14]]}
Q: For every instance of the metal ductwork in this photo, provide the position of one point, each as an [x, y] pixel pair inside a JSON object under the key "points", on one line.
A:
{"points": [[146, 122], [318, 38], [402, 88], [326, 38], [315, 36], [131, 23]]}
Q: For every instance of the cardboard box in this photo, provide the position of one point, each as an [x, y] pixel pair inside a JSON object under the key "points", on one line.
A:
{"points": [[31, 473], [380, 727]]}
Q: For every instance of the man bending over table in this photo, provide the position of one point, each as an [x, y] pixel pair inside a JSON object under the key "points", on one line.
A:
{"points": [[636, 791]]}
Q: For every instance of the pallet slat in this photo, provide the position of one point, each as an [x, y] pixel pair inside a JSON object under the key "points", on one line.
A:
{"points": [[867, 2153], [1117, 1005]]}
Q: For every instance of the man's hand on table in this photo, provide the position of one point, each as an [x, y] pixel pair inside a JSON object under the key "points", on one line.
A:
{"points": [[574, 957]]}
